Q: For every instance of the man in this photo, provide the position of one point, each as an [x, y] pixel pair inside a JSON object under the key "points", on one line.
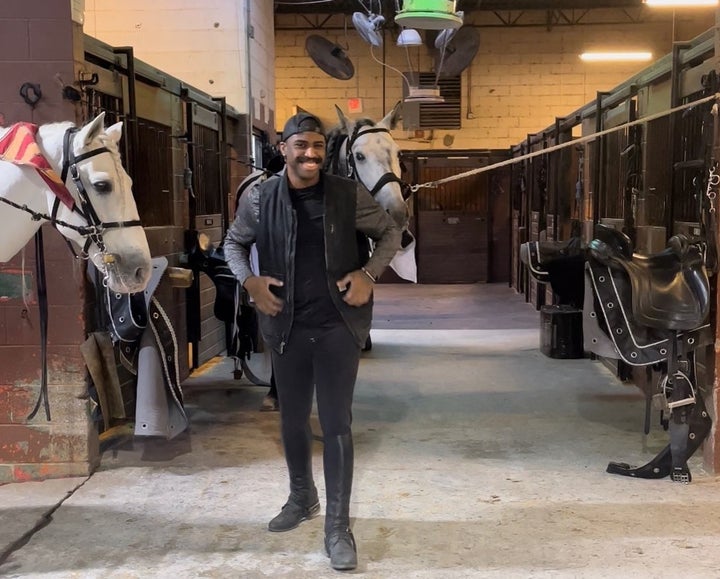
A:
{"points": [[314, 297]]}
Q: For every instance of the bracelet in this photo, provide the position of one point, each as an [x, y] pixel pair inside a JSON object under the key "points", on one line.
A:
{"points": [[367, 273]]}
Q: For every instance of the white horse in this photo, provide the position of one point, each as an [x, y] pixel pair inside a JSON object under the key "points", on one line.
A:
{"points": [[366, 151], [95, 210]]}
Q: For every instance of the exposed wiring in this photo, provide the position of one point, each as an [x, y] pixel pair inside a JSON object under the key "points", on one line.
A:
{"points": [[410, 67], [347, 39], [442, 61], [380, 62], [368, 10]]}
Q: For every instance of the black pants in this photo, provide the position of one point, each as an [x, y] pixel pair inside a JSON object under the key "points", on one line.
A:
{"points": [[324, 361]]}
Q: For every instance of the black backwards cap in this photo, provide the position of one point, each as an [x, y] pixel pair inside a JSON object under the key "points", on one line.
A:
{"points": [[300, 123]]}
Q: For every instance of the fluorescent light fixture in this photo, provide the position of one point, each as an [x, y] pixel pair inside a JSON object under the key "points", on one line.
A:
{"points": [[615, 56], [681, 3]]}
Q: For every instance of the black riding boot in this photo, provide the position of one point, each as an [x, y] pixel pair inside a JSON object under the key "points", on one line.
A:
{"points": [[339, 540], [303, 502]]}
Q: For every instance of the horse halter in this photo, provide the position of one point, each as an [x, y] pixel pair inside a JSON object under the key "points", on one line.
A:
{"points": [[95, 226], [385, 178]]}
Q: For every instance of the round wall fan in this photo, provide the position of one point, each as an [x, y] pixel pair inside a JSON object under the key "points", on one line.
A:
{"points": [[459, 52], [368, 26], [329, 57]]}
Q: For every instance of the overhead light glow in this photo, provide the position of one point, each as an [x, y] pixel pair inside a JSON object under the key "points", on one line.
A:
{"points": [[681, 3], [615, 56]]}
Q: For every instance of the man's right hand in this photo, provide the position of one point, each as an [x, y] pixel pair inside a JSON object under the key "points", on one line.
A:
{"points": [[258, 288]]}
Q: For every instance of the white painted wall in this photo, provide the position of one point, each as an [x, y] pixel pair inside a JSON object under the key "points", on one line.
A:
{"points": [[202, 42], [521, 79]]}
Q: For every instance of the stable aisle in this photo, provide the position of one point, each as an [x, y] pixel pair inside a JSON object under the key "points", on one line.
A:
{"points": [[476, 456]]}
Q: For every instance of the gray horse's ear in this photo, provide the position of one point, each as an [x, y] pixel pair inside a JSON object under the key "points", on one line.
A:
{"points": [[346, 123], [115, 131], [92, 129], [391, 119]]}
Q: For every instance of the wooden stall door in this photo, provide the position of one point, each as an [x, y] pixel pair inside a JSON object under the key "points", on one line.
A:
{"points": [[205, 332], [452, 222]]}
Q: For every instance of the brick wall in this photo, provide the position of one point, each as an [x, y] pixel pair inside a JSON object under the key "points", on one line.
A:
{"points": [[66, 445], [39, 50], [519, 81]]}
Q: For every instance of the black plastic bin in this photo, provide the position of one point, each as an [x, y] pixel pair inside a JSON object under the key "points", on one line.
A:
{"points": [[561, 334]]}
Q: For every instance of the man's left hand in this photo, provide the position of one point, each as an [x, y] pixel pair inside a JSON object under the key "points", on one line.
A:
{"points": [[358, 288]]}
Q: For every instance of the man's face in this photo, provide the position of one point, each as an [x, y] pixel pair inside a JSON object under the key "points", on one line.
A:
{"points": [[304, 155]]}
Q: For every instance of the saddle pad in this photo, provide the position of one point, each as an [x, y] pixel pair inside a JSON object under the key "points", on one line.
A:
{"points": [[636, 345], [530, 256], [18, 146]]}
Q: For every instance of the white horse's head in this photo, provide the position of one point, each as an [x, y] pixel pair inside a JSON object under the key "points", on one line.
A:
{"points": [[374, 159], [104, 205]]}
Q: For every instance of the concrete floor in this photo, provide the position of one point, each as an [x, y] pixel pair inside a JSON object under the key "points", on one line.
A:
{"points": [[476, 456]]}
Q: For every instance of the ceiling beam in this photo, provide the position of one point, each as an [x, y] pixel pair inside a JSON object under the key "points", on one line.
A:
{"points": [[387, 7]]}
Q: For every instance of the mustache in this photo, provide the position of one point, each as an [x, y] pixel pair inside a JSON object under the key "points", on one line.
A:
{"points": [[304, 159]]}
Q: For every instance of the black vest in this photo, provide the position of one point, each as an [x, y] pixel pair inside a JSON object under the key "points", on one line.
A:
{"points": [[345, 251]]}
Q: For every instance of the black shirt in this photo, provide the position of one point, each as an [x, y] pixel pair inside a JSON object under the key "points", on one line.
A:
{"points": [[313, 306]]}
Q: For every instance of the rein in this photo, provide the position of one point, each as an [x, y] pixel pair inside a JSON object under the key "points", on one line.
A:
{"points": [[92, 232]]}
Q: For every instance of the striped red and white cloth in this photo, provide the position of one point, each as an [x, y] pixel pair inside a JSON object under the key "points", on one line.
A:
{"points": [[19, 146]]}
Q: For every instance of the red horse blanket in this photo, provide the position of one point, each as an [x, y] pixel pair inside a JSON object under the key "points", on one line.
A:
{"points": [[19, 146]]}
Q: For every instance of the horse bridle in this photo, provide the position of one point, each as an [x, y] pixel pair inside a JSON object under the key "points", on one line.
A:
{"points": [[95, 226], [93, 231], [385, 178]]}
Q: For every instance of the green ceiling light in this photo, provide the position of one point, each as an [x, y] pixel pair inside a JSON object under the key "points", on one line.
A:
{"points": [[429, 15]]}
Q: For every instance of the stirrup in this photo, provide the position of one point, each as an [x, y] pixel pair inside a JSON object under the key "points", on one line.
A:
{"points": [[664, 383]]}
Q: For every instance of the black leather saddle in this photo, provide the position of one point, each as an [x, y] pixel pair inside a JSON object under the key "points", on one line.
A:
{"points": [[539, 255], [559, 263], [669, 290]]}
